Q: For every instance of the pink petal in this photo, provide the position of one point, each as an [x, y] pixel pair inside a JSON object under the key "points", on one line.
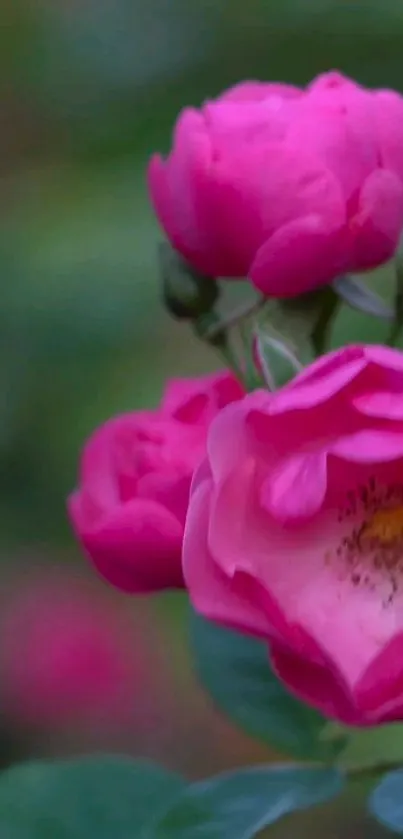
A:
{"points": [[242, 127], [202, 473], [336, 123], [248, 208], [177, 392], [136, 547], [323, 379], [296, 488], [237, 600], [385, 405], [380, 691], [188, 400], [376, 227], [236, 530], [168, 489], [321, 368], [161, 198], [388, 109], [317, 685], [174, 190], [369, 446], [349, 621], [332, 82], [211, 592], [299, 257], [98, 472], [229, 433], [386, 357]]}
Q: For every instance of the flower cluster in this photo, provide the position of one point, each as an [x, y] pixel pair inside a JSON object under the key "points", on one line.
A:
{"points": [[279, 510]]}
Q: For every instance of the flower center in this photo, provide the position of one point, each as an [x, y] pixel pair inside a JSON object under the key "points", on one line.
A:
{"points": [[385, 527], [370, 547]]}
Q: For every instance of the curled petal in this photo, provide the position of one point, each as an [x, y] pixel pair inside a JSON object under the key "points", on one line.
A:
{"points": [[136, 546], [376, 227], [296, 488], [299, 257], [388, 106]]}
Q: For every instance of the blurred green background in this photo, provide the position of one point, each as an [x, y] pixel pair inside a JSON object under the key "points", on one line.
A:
{"points": [[88, 90]]}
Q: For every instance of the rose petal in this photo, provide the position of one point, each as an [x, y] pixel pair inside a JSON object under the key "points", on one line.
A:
{"points": [[384, 405], [388, 110], [296, 488], [376, 227], [136, 546], [369, 446], [211, 592], [300, 256]]}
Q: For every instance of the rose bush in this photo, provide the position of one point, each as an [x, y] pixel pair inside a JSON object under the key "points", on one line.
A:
{"points": [[129, 510], [290, 187], [295, 531]]}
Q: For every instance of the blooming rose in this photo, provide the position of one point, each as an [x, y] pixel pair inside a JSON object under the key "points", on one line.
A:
{"points": [[295, 531], [130, 509], [291, 187], [64, 654]]}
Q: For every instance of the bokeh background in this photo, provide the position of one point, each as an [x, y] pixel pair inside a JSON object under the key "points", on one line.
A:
{"points": [[88, 89]]}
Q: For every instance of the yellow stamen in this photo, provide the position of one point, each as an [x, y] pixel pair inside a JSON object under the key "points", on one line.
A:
{"points": [[385, 525]]}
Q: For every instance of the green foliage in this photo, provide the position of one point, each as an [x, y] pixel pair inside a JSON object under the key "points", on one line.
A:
{"points": [[117, 797], [97, 798], [235, 670], [357, 295], [386, 802], [373, 746], [187, 294], [238, 805]]}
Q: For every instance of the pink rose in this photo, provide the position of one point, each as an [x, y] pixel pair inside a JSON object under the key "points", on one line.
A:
{"points": [[290, 187], [65, 655], [130, 509], [295, 531]]}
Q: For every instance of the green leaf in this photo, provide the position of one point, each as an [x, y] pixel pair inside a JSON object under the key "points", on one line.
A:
{"points": [[235, 670], [277, 360], [187, 294], [386, 801], [238, 805], [360, 297], [368, 747], [397, 324], [293, 331], [88, 798]]}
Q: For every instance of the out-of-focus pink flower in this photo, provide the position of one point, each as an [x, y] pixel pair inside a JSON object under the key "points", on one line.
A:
{"points": [[290, 187], [66, 655], [129, 511], [295, 531]]}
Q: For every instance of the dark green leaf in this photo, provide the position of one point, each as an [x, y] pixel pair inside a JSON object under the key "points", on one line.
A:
{"points": [[235, 670], [238, 805], [360, 297], [386, 802], [187, 294], [397, 324], [97, 798]]}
